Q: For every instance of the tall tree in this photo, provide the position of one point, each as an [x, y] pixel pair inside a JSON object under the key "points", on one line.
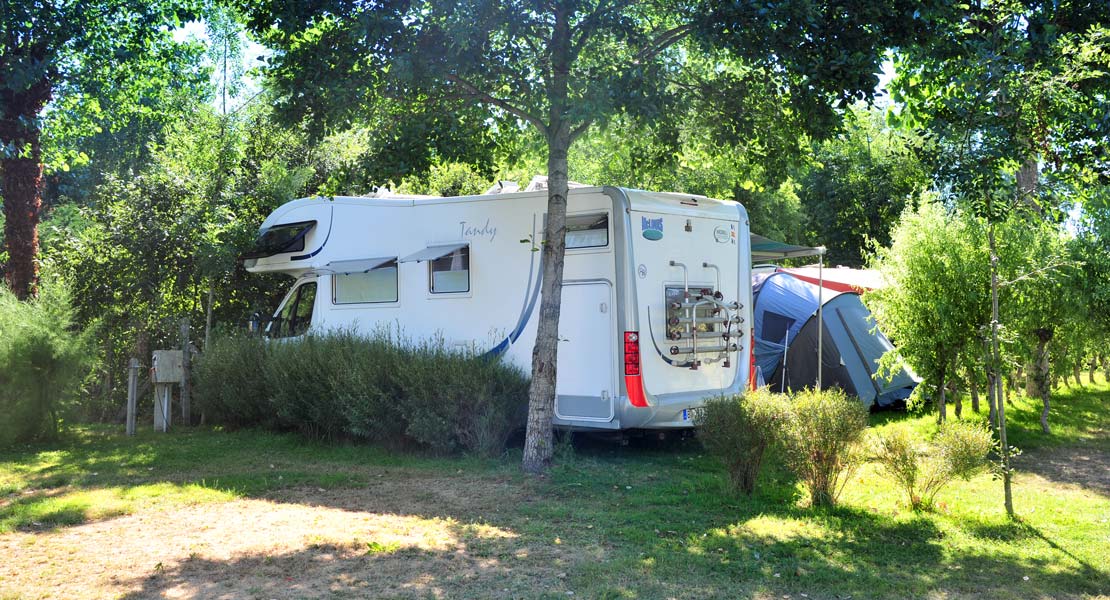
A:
{"points": [[42, 45], [1009, 87], [936, 301], [563, 66]]}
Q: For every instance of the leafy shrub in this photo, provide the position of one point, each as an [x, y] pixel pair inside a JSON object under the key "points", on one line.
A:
{"points": [[385, 391], [821, 441], [230, 384], [43, 362], [739, 429], [959, 450]]}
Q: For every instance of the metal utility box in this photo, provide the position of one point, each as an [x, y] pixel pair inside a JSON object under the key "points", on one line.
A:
{"points": [[168, 366]]}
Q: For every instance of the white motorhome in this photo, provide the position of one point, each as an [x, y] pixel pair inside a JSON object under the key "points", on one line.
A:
{"points": [[656, 296]]}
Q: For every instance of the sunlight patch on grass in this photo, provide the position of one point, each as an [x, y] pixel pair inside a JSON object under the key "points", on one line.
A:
{"points": [[49, 510]]}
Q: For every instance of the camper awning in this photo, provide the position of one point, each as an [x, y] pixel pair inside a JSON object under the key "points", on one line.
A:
{"points": [[362, 265], [433, 252], [764, 248]]}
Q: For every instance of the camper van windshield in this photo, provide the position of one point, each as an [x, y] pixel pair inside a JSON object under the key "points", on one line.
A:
{"points": [[288, 237], [296, 315]]}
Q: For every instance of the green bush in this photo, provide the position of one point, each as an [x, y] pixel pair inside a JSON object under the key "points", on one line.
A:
{"points": [[821, 441], [230, 384], [376, 389], [738, 430], [959, 450], [44, 360]]}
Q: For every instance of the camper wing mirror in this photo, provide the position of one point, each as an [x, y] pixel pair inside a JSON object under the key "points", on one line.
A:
{"points": [[254, 325]]}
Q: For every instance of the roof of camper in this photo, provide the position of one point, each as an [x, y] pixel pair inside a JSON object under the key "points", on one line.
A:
{"points": [[671, 202]]}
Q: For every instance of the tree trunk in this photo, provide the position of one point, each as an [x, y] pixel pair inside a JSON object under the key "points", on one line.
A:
{"points": [[941, 399], [208, 315], [1077, 370], [1091, 372], [1032, 388], [996, 362], [973, 384], [1106, 368], [538, 442], [1041, 373], [21, 178], [992, 400], [955, 389]]}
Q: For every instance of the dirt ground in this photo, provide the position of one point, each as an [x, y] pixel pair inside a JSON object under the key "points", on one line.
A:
{"points": [[307, 543], [1085, 467]]}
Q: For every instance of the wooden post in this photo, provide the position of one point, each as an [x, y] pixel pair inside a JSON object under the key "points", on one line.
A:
{"points": [[186, 387], [132, 393]]}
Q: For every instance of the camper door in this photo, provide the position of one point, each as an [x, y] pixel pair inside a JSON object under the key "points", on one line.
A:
{"points": [[686, 270]]}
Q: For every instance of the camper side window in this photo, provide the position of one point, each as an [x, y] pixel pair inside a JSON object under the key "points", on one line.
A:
{"points": [[450, 273], [587, 231], [374, 286]]}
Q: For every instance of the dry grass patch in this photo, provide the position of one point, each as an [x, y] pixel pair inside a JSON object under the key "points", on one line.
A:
{"points": [[343, 543]]}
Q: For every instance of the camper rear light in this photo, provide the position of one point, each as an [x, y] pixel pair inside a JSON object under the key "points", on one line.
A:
{"points": [[633, 383], [631, 353]]}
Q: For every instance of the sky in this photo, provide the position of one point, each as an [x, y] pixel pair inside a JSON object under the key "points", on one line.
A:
{"points": [[252, 51]]}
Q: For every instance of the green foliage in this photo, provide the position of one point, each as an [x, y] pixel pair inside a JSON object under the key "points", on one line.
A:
{"points": [[379, 389], [821, 441], [959, 450], [858, 184], [446, 179], [738, 430], [44, 359], [230, 382], [937, 293]]}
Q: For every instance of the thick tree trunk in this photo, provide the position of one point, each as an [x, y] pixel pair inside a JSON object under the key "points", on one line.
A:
{"points": [[1091, 372], [1077, 370], [22, 186], [538, 446], [21, 182], [1106, 368], [538, 442]]}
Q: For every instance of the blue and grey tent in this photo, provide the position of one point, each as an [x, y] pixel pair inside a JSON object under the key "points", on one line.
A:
{"points": [[785, 310]]}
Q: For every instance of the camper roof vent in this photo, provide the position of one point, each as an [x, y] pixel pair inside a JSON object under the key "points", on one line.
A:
{"points": [[504, 187]]}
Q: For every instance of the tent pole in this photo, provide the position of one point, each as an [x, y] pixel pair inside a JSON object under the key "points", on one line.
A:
{"points": [[820, 311]]}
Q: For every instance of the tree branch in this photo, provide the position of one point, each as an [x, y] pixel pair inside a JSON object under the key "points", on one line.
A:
{"points": [[502, 104], [1049, 267], [581, 129], [665, 40]]}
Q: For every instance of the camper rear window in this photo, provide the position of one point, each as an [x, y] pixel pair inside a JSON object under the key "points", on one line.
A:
{"points": [[450, 273], [374, 286], [588, 231]]}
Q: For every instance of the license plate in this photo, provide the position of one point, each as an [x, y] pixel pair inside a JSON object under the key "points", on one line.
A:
{"points": [[690, 414]]}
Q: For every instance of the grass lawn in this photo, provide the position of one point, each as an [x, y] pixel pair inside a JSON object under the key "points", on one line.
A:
{"points": [[203, 513]]}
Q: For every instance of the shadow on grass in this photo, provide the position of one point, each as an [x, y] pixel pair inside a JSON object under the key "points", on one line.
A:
{"points": [[357, 571], [638, 522]]}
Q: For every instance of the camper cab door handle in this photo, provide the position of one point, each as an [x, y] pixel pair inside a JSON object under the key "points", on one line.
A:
{"points": [[604, 308]]}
